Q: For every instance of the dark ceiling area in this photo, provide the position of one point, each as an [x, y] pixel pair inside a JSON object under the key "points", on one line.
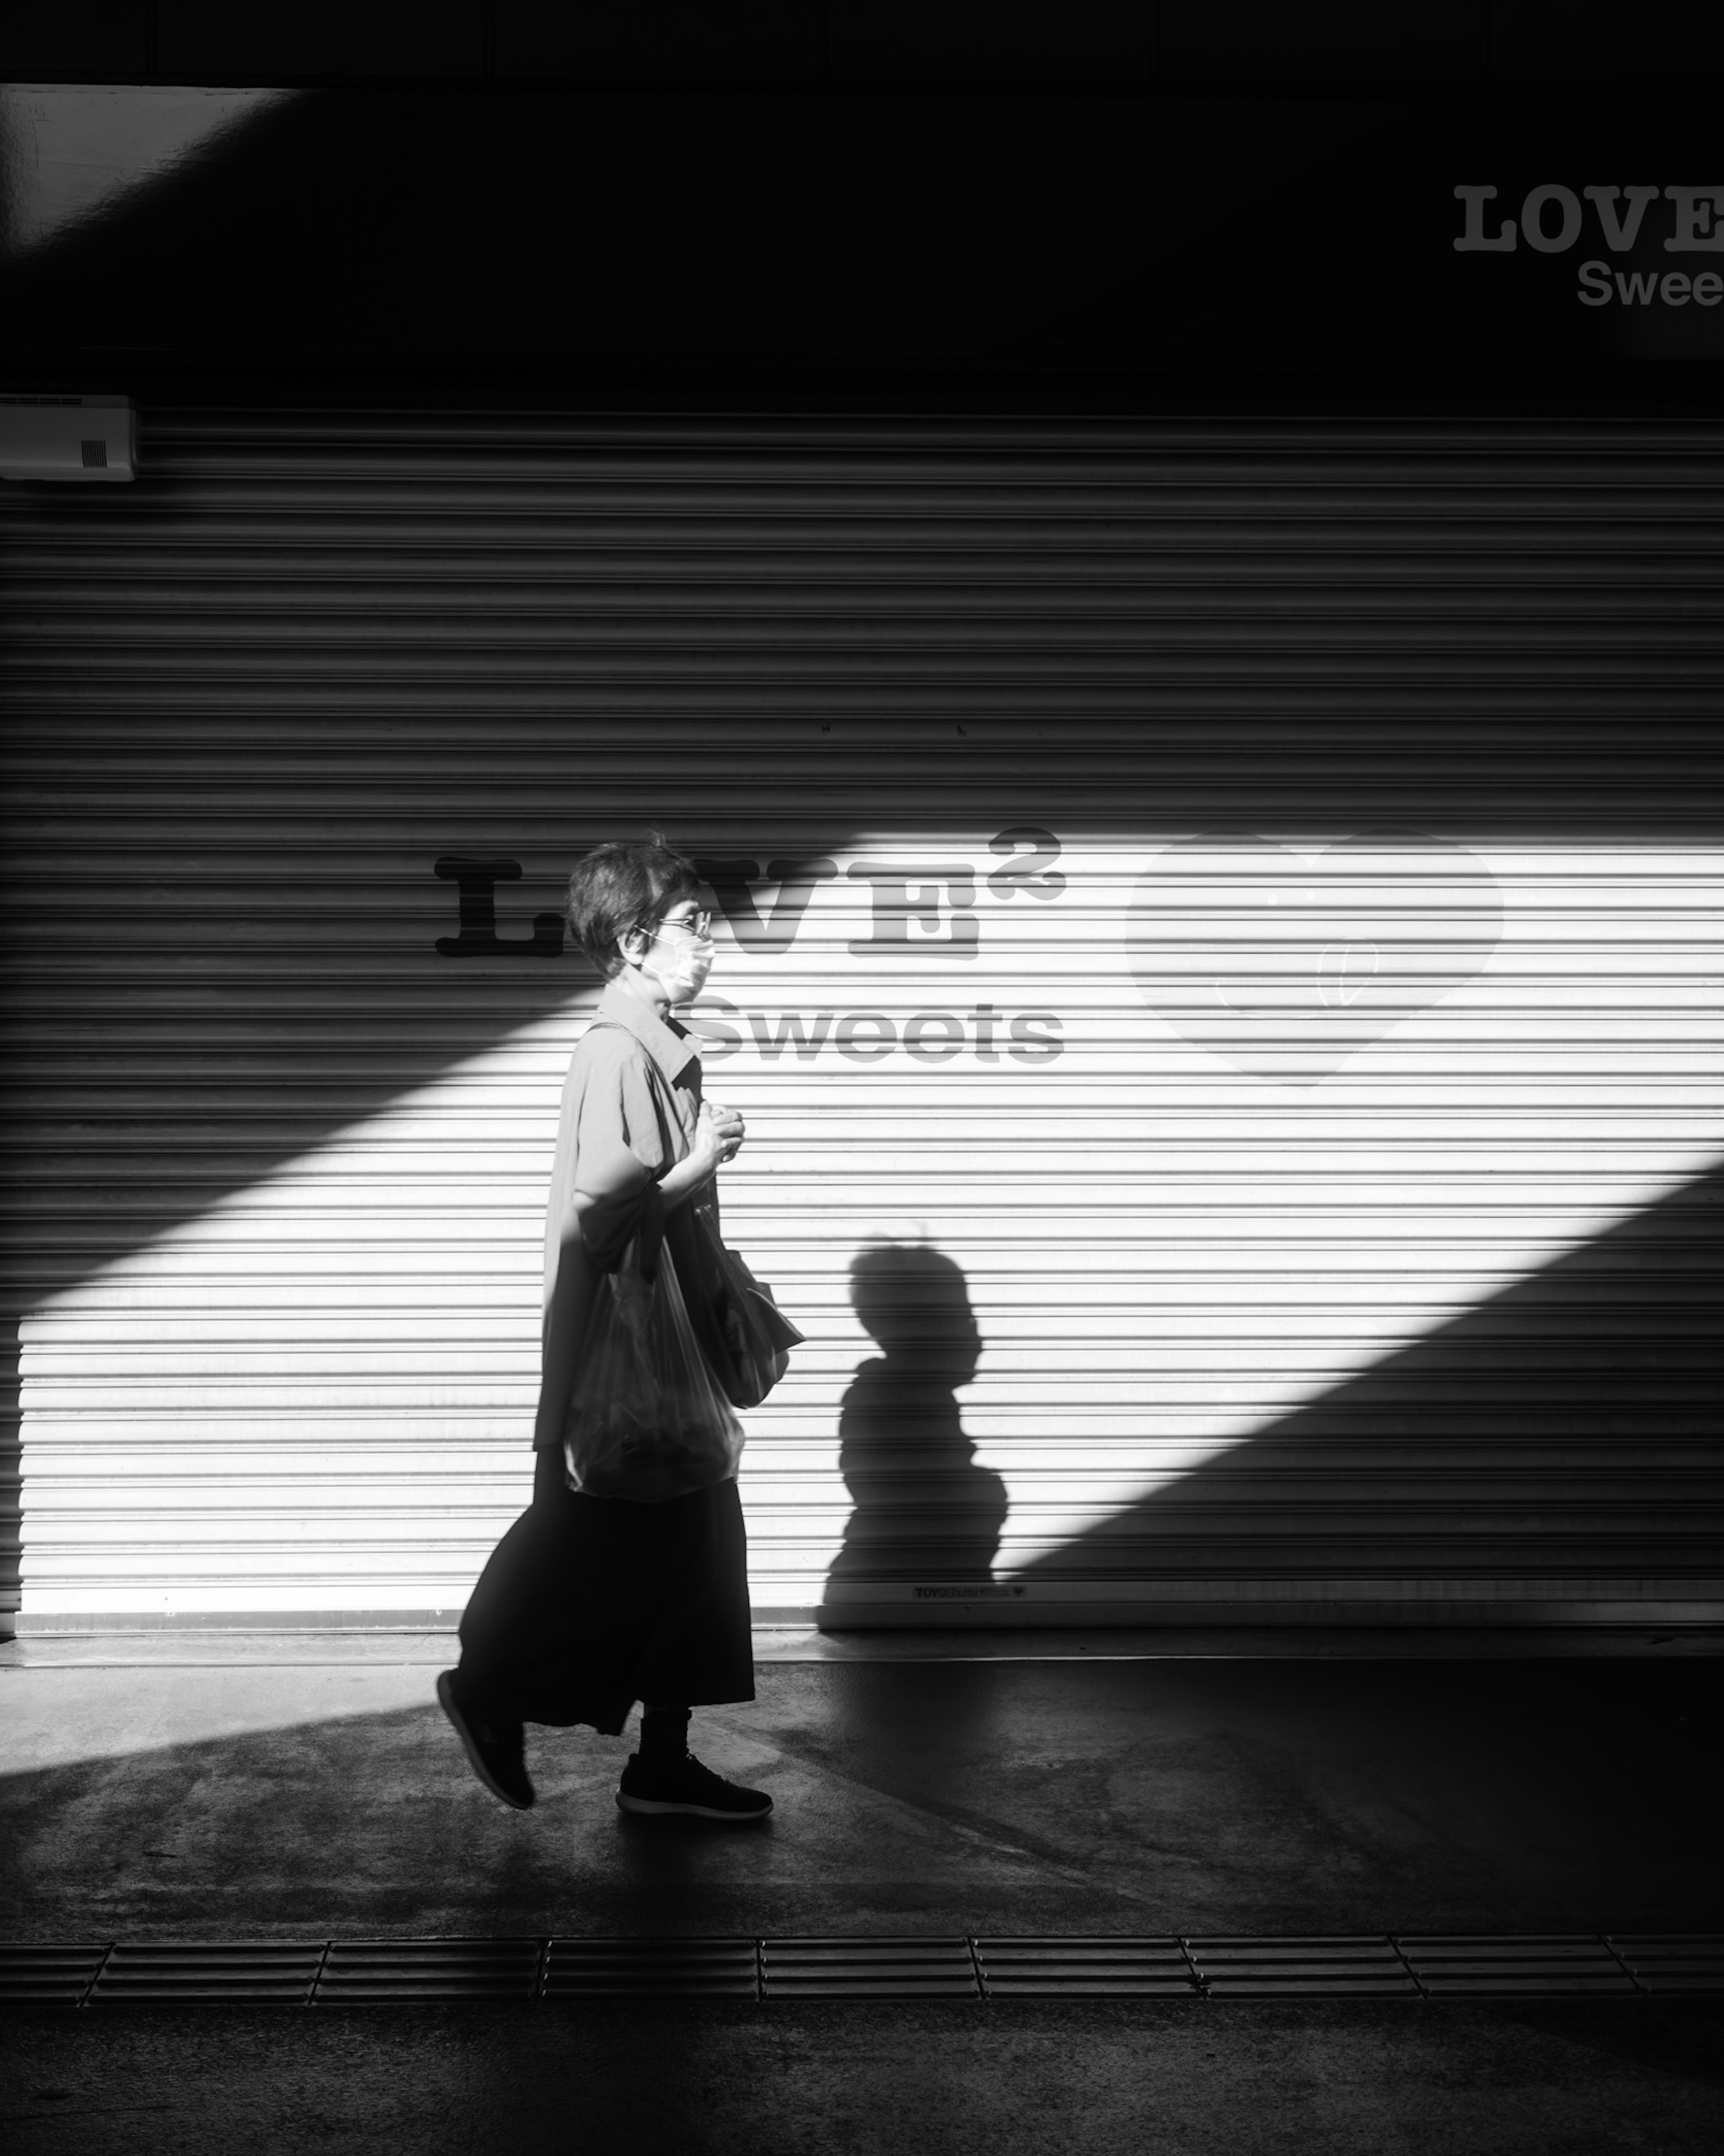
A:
{"points": [[1174, 46], [1065, 247]]}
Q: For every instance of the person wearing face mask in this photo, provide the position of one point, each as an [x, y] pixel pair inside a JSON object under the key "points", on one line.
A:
{"points": [[589, 1603]]}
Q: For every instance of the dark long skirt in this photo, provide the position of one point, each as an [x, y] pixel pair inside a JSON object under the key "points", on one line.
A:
{"points": [[590, 1604]]}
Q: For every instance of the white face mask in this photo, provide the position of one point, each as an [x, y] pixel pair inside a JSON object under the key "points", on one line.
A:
{"points": [[679, 964]]}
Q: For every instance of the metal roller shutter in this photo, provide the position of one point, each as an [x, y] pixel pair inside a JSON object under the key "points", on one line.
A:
{"points": [[1221, 977]]}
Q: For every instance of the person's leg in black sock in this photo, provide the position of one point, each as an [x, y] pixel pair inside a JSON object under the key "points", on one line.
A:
{"points": [[663, 1734], [665, 1776]]}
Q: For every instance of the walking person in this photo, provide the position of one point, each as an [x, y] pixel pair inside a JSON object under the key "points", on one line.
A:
{"points": [[591, 1602]]}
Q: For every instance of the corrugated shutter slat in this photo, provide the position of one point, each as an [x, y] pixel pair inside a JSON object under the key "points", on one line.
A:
{"points": [[1328, 1164]]}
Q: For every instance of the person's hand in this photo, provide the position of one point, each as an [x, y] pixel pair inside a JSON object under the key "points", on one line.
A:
{"points": [[718, 1136], [728, 1124]]}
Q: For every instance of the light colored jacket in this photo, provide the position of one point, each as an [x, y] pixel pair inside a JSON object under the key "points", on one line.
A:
{"points": [[630, 1105]]}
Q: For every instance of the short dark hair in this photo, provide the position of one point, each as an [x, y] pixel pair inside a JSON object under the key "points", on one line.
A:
{"points": [[632, 883]]}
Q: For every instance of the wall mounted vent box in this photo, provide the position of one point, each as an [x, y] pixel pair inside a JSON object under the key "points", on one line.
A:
{"points": [[58, 438]]}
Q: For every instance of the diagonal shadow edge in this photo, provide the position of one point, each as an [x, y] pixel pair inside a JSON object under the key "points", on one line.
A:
{"points": [[1646, 1281], [1402, 1399], [256, 1827], [1606, 1361], [205, 128], [998, 799]]}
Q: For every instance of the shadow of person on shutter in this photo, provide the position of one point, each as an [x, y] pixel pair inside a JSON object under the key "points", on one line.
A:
{"points": [[922, 1510]]}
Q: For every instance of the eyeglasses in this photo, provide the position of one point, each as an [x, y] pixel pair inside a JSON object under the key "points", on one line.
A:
{"points": [[696, 927]]}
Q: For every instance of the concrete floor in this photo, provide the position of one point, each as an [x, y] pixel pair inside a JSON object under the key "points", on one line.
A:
{"points": [[301, 1798], [1227, 1795], [1110, 2080]]}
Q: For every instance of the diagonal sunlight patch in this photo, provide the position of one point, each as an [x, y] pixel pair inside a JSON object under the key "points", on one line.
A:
{"points": [[1158, 1233], [67, 1717], [318, 1393], [1390, 1358], [68, 153]]}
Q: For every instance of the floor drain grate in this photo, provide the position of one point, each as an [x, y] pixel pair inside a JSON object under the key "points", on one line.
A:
{"points": [[1099, 1967], [1674, 1961], [174, 1973], [1508, 1968], [868, 1969], [375, 1971], [1300, 1968], [48, 1976], [699, 1968], [361, 1971]]}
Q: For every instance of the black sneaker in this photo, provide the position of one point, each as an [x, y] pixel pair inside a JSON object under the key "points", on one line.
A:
{"points": [[495, 1750], [684, 1785]]}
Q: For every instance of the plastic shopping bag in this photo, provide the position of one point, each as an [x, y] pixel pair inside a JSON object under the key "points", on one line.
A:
{"points": [[647, 1419]]}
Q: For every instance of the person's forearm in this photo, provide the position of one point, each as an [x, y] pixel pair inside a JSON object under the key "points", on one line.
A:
{"points": [[679, 1183]]}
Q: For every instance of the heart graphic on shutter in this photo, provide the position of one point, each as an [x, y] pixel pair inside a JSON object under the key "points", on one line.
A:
{"points": [[1288, 962]]}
